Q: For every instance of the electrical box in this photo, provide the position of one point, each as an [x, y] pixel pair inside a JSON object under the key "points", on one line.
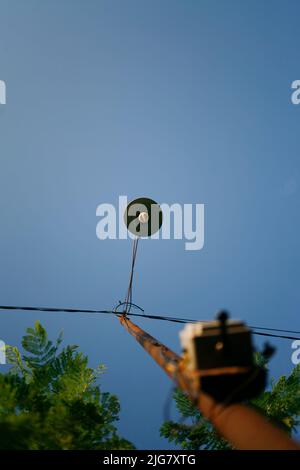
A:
{"points": [[220, 353]]}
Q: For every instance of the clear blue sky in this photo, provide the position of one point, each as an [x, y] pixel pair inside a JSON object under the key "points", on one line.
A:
{"points": [[181, 101]]}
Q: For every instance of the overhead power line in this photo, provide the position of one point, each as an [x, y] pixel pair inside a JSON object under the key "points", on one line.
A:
{"points": [[149, 316]]}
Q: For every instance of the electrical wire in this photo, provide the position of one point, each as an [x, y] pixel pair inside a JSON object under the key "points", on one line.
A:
{"points": [[143, 315], [276, 336], [128, 300], [109, 312]]}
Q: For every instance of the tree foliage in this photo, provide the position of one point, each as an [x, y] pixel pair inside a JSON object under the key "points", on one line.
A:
{"points": [[49, 399], [281, 404]]}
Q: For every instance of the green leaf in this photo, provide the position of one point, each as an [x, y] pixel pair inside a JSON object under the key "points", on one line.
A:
{"points": [[50, 399]]}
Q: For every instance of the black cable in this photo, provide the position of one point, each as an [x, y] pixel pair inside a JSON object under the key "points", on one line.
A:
{"points": [[275, 336], [52, 309], [152, 317], [274, 329], [128, 300], [74, 310]]}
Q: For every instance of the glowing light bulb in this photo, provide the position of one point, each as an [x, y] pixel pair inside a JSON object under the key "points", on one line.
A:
{"points": [[144, 217]]}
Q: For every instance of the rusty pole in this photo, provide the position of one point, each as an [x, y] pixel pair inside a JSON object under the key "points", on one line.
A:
{"points": [[169, 361]]}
